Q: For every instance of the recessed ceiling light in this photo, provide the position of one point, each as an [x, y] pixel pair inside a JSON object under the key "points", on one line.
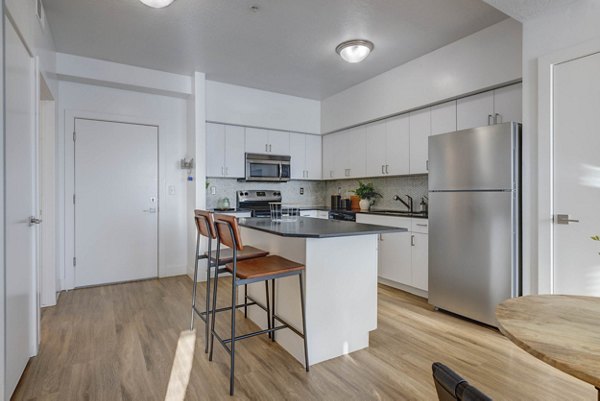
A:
{"points": [[354, 51], [157, 3]]}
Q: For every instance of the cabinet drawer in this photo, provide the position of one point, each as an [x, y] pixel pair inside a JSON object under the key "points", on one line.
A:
{"points": [[420, 226], [402, 222]]}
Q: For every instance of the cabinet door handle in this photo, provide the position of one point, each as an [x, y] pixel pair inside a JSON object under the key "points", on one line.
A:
{"points": [[380, 237], [498, 118], [386, 168], [422, 225], [330, 173], [226, 170], [412, 240], [222, 170], [427, 165], [490, 119], [270, 148]]}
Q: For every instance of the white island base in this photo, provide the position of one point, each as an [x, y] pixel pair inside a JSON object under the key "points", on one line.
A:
{"points": [[340, 292]]}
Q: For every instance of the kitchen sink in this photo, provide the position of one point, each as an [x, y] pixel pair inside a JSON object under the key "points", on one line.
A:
{"points": [[399, 213]]}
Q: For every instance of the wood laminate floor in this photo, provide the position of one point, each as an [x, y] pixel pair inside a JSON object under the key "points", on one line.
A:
{"points": [[117, 343]]}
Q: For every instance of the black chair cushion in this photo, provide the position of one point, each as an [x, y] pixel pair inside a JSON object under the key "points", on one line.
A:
{"points": [[451, 387]]}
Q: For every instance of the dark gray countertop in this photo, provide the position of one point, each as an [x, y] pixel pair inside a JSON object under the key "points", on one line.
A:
{"points": [[307, 227], [385, 212]]}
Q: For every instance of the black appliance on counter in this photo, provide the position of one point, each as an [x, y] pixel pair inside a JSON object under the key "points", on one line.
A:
{"points": [[257, 201], [345, 215]]}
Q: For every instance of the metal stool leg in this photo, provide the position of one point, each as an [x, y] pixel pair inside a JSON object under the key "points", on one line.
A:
{"points": [[233, 308], [195, 283], [273, 309], [268, 308], [214, 311], [207, 310], [246, 301], [300, 277]]}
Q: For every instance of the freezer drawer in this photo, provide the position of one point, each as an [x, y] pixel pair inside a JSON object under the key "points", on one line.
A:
{"points": [[483, 158], [472, 243]]}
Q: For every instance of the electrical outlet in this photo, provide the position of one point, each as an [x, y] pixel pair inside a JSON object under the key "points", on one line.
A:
{"points": [[213, 190], [171, 190], [301, 191]]}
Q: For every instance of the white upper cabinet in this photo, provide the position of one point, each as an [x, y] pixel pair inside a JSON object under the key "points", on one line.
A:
{"points": [[352, 155], [235, 163], [329, 155], [398, 145], [215, 150], [305, 151], [313, 157], [443, 118], [475, 111], [257, 140], [298, 154], [420, 128], [279, 143], [376, 149], [492, 107], [265, 141], [508, 104], [224, 151]]}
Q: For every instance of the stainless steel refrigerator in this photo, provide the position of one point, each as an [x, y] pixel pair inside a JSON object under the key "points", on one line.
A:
{"points": [[475, 220]]}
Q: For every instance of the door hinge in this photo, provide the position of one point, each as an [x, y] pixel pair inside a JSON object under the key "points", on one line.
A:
{"points": [[74, 261], [74, 136]]}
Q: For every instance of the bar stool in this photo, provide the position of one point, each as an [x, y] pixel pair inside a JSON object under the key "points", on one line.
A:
{"points": [[205, 227], [246, 272]]}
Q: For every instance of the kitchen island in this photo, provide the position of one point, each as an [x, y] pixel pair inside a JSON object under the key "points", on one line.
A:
{"points": [[340, 282]]}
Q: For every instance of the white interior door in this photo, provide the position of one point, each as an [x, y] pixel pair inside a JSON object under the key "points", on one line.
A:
{"points": [[20, 204], [576, 102], [116, 208]]}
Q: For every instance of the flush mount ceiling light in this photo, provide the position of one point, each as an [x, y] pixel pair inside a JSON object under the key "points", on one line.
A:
{"points": [[157, 3], [354, 51]]}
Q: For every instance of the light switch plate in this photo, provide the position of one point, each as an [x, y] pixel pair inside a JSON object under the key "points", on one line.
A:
{"points": [[171, 189], [301, 191]]}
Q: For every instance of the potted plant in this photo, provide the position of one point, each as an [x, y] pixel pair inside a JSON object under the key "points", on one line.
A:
{"points": [[366, 193]]}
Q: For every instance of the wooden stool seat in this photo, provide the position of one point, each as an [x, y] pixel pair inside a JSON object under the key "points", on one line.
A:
{"points": [[267, 266], [226, 255]]}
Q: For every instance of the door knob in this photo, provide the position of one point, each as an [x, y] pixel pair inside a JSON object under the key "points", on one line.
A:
{"points": [[564, 219], [34, 220]]}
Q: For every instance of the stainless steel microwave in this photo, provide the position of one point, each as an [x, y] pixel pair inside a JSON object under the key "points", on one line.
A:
{"points": [[272, 168]]}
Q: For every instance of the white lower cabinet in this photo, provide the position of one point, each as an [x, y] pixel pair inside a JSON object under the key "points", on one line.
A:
{"points": [[308, 213], [419, 260], [394, 261], [402, 257]]}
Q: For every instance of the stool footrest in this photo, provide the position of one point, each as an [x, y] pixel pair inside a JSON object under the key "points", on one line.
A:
{"points": [[253, 334], [289, 326]]}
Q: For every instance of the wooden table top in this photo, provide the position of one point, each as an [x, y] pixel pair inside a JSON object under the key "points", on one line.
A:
{"points": [[561, 330]]}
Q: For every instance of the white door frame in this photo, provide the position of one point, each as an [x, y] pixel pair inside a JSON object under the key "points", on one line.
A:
{"points": [[69, 223], [546, 66]]}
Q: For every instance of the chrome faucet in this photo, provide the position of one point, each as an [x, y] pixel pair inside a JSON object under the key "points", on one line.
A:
{"points": [[408, 204]]}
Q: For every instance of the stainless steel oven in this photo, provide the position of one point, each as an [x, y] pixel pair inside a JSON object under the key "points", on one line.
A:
{"points": [[272, 168]]}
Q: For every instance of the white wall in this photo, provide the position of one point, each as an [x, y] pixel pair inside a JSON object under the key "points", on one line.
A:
{"points": [[558, 29], [37, 38], [239, 105], [2, 260], [170, 114], [485, 59], [93, 71]]}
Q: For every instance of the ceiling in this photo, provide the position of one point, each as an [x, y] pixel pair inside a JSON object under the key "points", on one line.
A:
{"points": [[287, 46], [523, 10]]}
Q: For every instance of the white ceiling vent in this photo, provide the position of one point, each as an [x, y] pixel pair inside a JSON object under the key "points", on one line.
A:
{"points": [[40, 13]]}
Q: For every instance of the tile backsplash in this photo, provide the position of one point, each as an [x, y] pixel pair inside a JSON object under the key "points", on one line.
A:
{"points": [[317, 193], [314, 191], [413, 185]]}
